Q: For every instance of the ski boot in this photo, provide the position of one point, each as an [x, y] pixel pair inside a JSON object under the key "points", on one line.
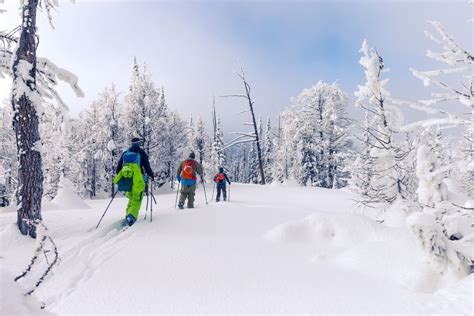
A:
{"points": [[129, 220], [181, 205]]}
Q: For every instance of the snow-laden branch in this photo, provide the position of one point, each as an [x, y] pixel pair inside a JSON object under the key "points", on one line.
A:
{"points": [[453, 121], [237, 143], [241, 137], [453, 52], [245, 134], [48, 77], [51, 72]]}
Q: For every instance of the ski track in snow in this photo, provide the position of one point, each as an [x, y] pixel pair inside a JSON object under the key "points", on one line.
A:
{"points": [[90, 255], [271, 250]]}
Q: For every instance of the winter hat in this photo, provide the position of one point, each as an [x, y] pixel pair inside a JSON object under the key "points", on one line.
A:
{"points": [[135, 141], [192, 155], [221, 169]]}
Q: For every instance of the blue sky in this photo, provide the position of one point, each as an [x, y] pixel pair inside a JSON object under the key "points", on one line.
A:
{"points": [[193, 48]]}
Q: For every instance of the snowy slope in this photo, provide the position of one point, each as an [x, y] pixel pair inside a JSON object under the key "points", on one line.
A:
{"points": [[273, 249]]}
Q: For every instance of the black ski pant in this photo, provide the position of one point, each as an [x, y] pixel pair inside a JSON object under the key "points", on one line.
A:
{"points": [[221, 187]]}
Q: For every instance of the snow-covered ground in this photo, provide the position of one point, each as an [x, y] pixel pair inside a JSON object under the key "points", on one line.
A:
{"points": [[272, 249]]}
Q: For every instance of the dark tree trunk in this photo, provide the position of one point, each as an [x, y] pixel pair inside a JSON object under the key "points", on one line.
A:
{"points": [[25, 125], [93, 179], [257, 139]]}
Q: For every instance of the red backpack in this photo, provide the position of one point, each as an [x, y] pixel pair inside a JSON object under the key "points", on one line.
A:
{"points": [[219, 177], [187, 172]]}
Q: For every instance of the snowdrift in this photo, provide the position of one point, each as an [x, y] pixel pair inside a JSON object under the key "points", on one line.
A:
{"points": [[66, 198]]}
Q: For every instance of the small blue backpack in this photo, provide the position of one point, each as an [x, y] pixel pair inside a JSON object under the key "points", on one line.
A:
{"points": [[125, 184]]}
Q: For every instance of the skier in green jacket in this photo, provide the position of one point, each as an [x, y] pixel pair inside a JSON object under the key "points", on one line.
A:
{"points": [[131, 166]]}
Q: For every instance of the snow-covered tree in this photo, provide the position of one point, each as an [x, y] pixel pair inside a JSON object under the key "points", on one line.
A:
{"points": [[176, 148], [285, 150], [315, 144], [268, 152], [386, 183], [88, 150], [34, 81], [218, 154], [142, 108], [54, 132], [8, 167], [200, 142], [431, 188], [454, 84], [464, 170], [108, 136], [443, 227]]}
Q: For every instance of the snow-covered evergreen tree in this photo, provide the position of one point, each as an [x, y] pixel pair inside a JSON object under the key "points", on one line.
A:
{"points": [[285, 150], [201, 143], [54, 133], [361, 169], [109, 136], [90, 152], [453, 83], [8, 169], [440, 225], [464, 171], [175, 146], [385, 184], [218, 154], [253, 164], [268, 156], [315, 145]]}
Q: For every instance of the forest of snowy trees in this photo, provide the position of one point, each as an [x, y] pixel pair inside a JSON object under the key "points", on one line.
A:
{"points": [[314, 142]]}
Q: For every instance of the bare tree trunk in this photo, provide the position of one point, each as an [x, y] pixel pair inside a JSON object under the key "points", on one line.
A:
{"points": [[93, 182], [254, 121], [25, 125], [214, 118]]}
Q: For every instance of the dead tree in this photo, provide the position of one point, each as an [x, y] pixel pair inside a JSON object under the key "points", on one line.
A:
{"points": [[246, 137]]}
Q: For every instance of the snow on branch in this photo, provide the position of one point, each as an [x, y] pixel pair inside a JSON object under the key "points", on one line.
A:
{"points": [[245, 134], [49, 76], [231, 144], [460, 61], [453, 52]]}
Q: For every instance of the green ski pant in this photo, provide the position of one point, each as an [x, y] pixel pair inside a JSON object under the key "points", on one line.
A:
{"points": [[134, 203], [187, 191]]}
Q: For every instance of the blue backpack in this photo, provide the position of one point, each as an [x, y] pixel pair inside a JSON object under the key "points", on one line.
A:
{"points": [[125, 184], [131, 157]]}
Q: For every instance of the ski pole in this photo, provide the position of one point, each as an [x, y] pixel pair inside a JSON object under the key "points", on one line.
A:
{"points": [[228, 200], [177, 192], [213, 187], [146, 207], [151, 202], [113, 196], [205, 196], [152, 199]]}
